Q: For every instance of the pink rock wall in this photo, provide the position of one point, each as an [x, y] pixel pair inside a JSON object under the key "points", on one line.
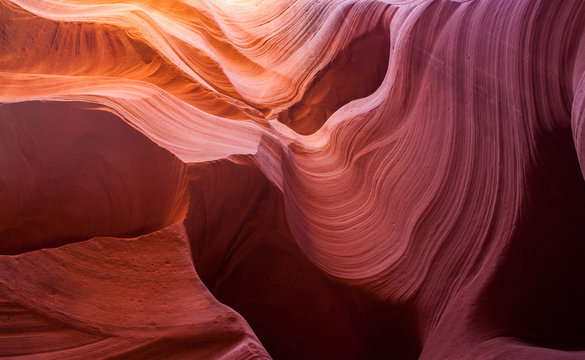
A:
{"points": [[301, 179]]}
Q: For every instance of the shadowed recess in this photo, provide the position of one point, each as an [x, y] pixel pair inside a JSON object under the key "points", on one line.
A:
{"points": [[245, 254], [537, 293], [74, 171], [356, 72]]}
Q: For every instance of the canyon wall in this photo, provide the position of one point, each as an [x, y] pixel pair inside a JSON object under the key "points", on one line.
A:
{"points": [[328, 179]]}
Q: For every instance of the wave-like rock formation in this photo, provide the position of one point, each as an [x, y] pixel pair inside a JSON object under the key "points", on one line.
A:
{"points": [[344, 179]]}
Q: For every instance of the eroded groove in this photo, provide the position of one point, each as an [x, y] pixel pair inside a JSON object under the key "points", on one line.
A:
{"points": [[356, 72]]}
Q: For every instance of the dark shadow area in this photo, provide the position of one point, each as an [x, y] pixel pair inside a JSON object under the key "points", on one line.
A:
{"points": [[70, 172], [244, 253], [356, 72], [538, 291]]}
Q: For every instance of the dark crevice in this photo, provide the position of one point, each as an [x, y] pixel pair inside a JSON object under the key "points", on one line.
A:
{"points": [[537, 292], [245, 254], [356, 72]]}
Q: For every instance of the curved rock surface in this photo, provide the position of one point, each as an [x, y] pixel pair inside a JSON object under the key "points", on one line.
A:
{"points": [[117, 298], [356, 179]]}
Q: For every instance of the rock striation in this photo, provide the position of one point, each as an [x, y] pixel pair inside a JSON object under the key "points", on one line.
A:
{"points": [[355, 179]]}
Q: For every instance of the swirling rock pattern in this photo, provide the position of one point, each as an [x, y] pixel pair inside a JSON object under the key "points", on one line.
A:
{"points": [[355, 179]]}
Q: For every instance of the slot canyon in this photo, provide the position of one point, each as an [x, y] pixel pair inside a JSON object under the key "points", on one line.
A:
{"points": [[292, 179]]}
